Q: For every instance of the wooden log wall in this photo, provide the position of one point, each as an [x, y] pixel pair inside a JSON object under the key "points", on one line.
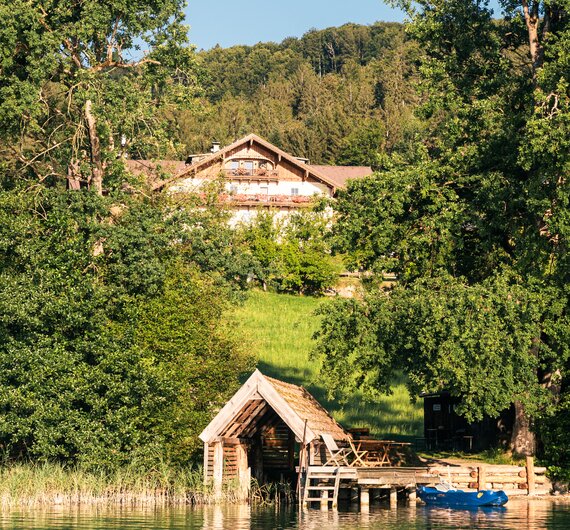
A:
{"points": [[209, 461], [230, 463], [514, 480], [278, 448]]}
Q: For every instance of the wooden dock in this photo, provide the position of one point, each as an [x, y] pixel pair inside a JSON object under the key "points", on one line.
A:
{"points": [[324, 484]]}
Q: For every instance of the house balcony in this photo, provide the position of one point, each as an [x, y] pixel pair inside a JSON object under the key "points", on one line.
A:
{"points": [[243, 173], [263, 199]]}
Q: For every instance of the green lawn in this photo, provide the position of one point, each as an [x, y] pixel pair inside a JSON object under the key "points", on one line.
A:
{"points": [[279, 328]]}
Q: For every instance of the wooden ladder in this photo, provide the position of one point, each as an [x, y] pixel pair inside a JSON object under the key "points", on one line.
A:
{"points": [[319, 481]]}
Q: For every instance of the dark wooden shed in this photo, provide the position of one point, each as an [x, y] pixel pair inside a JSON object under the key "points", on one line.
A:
{"points": [[445, 429]]}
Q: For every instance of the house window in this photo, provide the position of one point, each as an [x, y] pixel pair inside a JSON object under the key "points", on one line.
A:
{"points": [[233, 188], [234, 164], [248, 164], [294, 191]]}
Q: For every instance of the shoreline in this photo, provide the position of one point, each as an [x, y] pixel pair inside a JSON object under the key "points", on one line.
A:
{"points": [[138, 501]]}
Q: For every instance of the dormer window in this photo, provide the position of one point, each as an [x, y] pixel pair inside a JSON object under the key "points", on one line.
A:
{"points": [[294, 191]]}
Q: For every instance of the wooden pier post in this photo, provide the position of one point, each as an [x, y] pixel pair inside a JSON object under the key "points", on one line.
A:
{"points": [[218, 468], [393, 497], [324, 500], [412, 495], [530, 479], [364, 499]]}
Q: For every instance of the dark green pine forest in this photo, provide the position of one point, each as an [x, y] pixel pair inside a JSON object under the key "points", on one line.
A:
{"points": [[342, 96], [116, 340]]}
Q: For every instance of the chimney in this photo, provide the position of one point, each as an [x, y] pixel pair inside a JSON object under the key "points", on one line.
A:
{"points": [[215, 147]]}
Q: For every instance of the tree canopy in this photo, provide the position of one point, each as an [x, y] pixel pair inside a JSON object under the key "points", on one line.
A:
{"points": [[475, 229], [83, 83]]}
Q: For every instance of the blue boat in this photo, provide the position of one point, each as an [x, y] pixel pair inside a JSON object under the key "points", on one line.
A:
{"points": [[443, 495]]}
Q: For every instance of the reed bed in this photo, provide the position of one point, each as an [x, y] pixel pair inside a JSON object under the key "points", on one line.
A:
{"points": [[279, 329], [50, 484]]}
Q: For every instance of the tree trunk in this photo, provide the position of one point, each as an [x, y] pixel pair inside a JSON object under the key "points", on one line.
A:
{"points": [[535, 46], [96, 160], [74, 175], [523, 440]]}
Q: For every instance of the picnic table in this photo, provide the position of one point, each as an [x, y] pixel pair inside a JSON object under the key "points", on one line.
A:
{"points": [[375, 453]]}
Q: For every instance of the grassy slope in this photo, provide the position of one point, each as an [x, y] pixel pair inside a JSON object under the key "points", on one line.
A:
{"points": [[279, 329]]}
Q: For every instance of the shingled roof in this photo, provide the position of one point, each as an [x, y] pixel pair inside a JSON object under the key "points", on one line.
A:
{"points": [[293, 404]]}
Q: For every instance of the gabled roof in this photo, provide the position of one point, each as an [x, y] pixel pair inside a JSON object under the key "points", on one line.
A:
{"points": [[251, 138], [292, 403]]}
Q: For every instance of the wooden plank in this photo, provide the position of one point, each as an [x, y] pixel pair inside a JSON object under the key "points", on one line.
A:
{"points": [[206, 451], [252, 413]]}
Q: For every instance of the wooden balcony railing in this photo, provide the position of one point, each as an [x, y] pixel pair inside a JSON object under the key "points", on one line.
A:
{"points": [[252, 173], [264, 198], [261, 199]]}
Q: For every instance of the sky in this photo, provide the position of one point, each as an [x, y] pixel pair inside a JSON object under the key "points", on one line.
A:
{"points": [[231, 22]]}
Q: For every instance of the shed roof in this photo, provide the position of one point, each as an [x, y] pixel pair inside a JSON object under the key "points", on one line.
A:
{"points": [[293, 404]]}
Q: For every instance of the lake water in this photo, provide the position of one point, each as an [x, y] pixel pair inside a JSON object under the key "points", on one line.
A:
{"points": [[519, 514]]}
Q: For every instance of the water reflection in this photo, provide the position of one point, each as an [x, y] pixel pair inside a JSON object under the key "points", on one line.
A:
{"points": [[519, 514]]}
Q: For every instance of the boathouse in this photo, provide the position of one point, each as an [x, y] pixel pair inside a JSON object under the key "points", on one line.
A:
{"points": [[259, 433]]}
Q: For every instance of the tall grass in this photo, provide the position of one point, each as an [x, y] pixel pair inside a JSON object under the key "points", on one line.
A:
{"points": [[54, 484], [279, 328]]}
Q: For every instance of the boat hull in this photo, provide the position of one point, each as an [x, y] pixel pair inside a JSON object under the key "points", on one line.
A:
{"points": [[432, 496]]}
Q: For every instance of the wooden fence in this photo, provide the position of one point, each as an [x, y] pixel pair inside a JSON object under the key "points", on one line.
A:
{"points": [[514, 480]]}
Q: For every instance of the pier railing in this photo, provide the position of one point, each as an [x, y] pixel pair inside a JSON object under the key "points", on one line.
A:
{"points": [[514, 480]]}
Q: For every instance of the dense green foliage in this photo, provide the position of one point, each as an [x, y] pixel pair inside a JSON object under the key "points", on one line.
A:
{"points": [[113, 347], [291, 255], [339, 96], [476, 229]]}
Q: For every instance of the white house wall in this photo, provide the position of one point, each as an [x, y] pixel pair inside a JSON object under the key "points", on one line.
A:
{"points": [[253, 187]]}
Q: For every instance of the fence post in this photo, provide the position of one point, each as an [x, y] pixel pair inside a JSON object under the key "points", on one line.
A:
{"points": [[530, 474], [481, 477]]}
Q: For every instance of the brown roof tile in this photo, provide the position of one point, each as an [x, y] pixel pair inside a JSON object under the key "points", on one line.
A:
{"points": [[341, 174]]}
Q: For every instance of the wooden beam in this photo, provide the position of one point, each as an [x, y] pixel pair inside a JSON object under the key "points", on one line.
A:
{"points": [[218, 468], [206, 451], [267, 419], [481, 477], [242, 415], [241, 429], [243, 472], [233, 406]]}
